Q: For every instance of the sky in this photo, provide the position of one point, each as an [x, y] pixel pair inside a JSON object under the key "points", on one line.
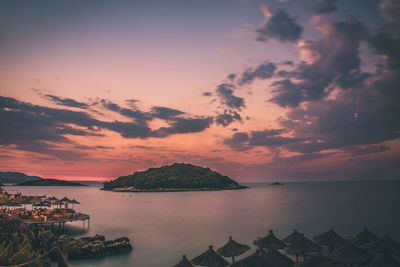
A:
{"points": [[259, 90]]}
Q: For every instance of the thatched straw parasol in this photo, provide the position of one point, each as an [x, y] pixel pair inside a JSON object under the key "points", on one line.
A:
{"points": [[184, 262], [277, 259], [364, 237], [350, 254], [292, 237], [330, 239], [209, 258], [302, 246], [74, 201], [254, 260], [12, 203], [232, 249], [385, 244], [385, 261], [318, 262], [65, 199], [269, 241]]}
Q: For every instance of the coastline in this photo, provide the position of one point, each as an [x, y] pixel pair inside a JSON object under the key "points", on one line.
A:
{"points": [[132, 190]]}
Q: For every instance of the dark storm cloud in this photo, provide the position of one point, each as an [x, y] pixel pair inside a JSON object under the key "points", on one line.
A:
{"points": [[331, 62], [139, 116], [185, 125], [231, 77], [68, 102], [325, 6], [288, 93], [225, 92], [166, 113], [33, 128], [237, 141], [263, 71], [371, 149], [387, 41], [267, 138], [365, 115], [227, 118], [279, 26]]}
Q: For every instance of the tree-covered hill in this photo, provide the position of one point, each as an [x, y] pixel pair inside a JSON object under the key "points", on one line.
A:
{"points": [[178, 176]]}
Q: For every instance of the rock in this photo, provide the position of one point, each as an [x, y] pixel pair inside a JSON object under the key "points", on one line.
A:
{"points": [[97, 246]]}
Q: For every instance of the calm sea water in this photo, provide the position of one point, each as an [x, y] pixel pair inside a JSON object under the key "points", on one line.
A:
{"points": [[163, 226]]}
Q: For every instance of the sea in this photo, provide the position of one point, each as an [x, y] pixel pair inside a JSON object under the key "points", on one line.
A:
{"points": [[163, 226]]}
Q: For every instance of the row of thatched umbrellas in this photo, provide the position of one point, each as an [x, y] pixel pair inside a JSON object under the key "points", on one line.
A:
{"points": [[349, 252], [37, 201]]}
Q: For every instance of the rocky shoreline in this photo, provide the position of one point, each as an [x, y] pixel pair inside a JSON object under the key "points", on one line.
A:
{"points": [[96, 247], [133, 190]]}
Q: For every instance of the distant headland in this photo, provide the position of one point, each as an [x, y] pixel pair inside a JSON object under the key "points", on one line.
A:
{"points": [[173, 178], [21, 179], [49, 182]]}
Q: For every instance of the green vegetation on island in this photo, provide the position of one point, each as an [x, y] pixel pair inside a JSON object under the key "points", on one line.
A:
{"points": [[50, 182], [175, 177]]}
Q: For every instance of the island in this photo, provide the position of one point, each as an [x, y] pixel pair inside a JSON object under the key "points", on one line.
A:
{"points": [[50, 182], [172, 178]]}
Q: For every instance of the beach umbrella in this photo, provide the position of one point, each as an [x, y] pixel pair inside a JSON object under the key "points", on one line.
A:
{"points": [[184, 262], [364, 237], [74, 201], [209, 258], [318, 262], [350, 254], [330, 239], [269, 241], [292, 237], [12, 203], [277, 259], [302, 245], [24, 201], [57, 202], [65, 199], [232, 249], [52, 198], [384, 261], [385, 244], [254, 260]]}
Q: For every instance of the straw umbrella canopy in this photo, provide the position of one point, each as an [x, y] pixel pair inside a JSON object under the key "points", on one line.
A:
{"points": [[232, 249], [57, 202], [330, 239], [24, 201], [303, 245], [385, 261], [254, 260], [65, 199], [74, 201], [350, 254], [209, 258], [385, 244], [12, 203], [184, 262], [292, 237], [269, 241], [364, 237], [318, 262], [277, 259]]}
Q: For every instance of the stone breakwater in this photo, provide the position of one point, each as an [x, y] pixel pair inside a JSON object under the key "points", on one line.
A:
{"points": [[97, 246]]}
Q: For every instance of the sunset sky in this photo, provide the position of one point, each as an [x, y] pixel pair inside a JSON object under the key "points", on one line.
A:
{"points": [[257, 90]]}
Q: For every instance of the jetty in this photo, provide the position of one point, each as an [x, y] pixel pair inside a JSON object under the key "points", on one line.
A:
{"points": [[40, 211]]}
